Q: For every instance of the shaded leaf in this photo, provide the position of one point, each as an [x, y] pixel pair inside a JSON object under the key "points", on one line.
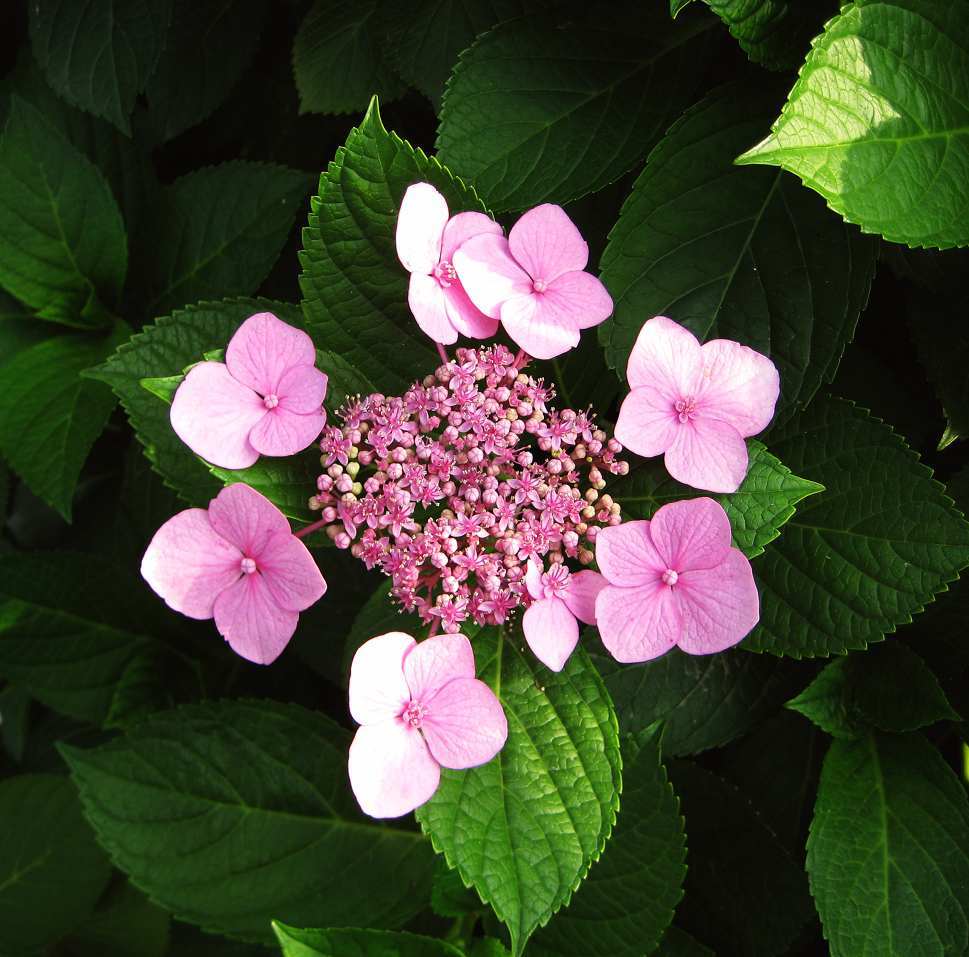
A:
{"points": [[357, 942], [124, 924]]}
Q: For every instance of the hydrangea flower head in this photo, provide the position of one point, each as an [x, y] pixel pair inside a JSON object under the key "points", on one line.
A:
{"points": [[238, 562], [427, 239], [535, 282], [265, 399], [674, 581], [420, 708], [696, 403]]}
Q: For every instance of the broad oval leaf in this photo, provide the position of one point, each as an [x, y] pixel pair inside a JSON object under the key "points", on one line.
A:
{"points": [[232, 813], [524, 828], [879, 126], [358, 942]]}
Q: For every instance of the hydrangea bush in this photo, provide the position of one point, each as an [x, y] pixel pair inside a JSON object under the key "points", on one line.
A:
{"points": [[544, 541]]}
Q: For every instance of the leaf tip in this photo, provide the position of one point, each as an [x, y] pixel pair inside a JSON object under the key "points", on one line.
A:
{"points": [[763, 153]]}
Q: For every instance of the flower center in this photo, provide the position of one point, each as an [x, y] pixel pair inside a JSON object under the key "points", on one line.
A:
{"points": [[414, 714], [539, 285], [670, 577], [271, 400], [685, 408], [444, 274], [248, 565]]}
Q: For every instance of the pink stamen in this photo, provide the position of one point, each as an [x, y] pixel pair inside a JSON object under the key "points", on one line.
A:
{"points": [[539, 285], [685, 408], [248, 565], [414, 714], [670, 577], [271, 400]]}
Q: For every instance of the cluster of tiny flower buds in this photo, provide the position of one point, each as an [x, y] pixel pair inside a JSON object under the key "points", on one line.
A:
{"points": [[452, 488]]}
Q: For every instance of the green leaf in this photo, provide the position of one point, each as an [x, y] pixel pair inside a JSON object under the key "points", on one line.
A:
{"points": [[449, 896], [15, 715], [218, 231], [866, 554], [764, 502], [125, 924], [287, 482], [50, 415], [735, 253], [676, 942], [888, 854], [880, 129], [163, 387], [888, 687], [47, 854], [355, 288], [524, 828], [677, 5], [527, 129], [357, 942], [99, 55], [627, 901], [230, 813], [62, 241], [338, 58]]}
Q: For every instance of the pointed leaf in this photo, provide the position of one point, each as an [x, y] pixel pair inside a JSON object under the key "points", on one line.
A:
{"points": [[357, 942]]}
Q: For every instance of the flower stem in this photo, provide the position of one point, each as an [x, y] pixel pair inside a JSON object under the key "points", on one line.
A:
{"points": [[442, 352], [521, 360], [303, 532]]}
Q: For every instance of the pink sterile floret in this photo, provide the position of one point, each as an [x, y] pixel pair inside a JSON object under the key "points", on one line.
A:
{"points": [[675, 580], [534, 281], [237, 562], [420, 708], [426, 242], [559, 598], [265, 399], [696, 403]]}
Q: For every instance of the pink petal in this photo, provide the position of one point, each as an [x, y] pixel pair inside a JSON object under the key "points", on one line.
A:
{"points": [[378, 688], [626, 554], [462, 227], [436, 661], [551, 631], [533, 579], [638, 624], [213, 415], [188, 563], [465, 724], [667, 357], [694, 533], [739, 385], [249, 619], [580, 596], [546, 243], [489, 274], [426, 300], [263, 348], [719, 605], [580, 297], [246, 518], [302, 389], [648, 422], [391, 770], [708, 454], [538, 326], [465, 316], [280, 432], [290, 573], [420, 226]]}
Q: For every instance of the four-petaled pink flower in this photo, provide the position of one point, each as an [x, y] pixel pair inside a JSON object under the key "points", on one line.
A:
{"points": [[265, 399], [696, 403], [238, 562], [426, 243], [534, 281], [559, 597], [675, 580], [420, 708]]}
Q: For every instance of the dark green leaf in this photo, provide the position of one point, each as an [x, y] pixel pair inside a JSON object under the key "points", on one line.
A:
{"points": [[676, 942], [449, 896], [357, 942], [287, 482], [125, 924], [14, 715]]}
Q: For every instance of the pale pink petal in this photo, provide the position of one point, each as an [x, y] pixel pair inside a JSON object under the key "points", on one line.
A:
{"points": [[489, 274], [533, 579], [579, 298], [694, 533], [426, 300], [292, 576], [551, 631], [420, 226], [378, 688], [739, 385], [719, 605], [249, 619], [638, 624], [462, 227], [666, 356], [581, 593], [465, 316], [263, 348], [188, 563], [537, 326], [708, 454], [391, 770], [465, 724], [626, 554], [280, 432], [246, 518], [546, 243], [302, 389], [436, 661], [647, 422], [213, 415]]}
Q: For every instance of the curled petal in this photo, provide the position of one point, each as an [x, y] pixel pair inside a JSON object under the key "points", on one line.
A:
{"points": [[638, 624], [462, 227], [739, 385], [281, 432], [580, 596], [434, 662], [666, 356], [465, 316], [426, 300], [627, 556], [546, 243], [420, 226], [708, 454], [533, 579], [693, 533], [249, 619], [647, 422], [489, 274], [246, 518], [551, 632], [536, 324], [302, 389], [378, 688], [465, 724], [293, 578], [264, 348]]}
